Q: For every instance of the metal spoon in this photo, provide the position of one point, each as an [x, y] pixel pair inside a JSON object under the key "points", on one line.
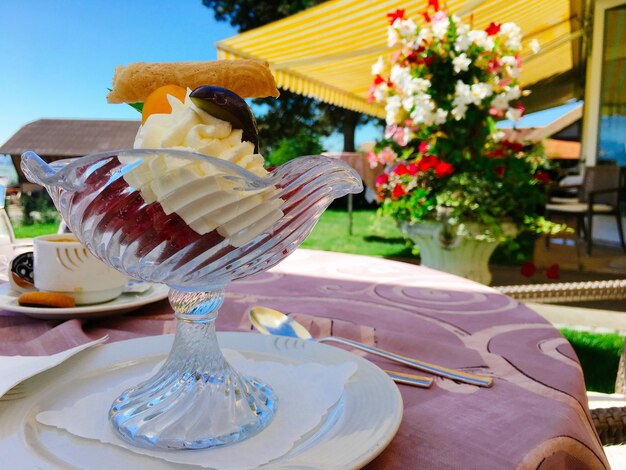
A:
{"points": [[264, 320], [272, 322]]}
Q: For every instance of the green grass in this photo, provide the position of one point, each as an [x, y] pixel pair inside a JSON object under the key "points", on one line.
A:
{"points": [[371, 235], [599, 357], [31, 231]]}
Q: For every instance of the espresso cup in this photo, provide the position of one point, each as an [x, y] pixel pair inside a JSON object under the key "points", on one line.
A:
{"points": [[62, 264]]}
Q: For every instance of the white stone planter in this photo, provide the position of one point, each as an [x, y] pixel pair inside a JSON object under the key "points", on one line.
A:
{"points": [[465, 257]]}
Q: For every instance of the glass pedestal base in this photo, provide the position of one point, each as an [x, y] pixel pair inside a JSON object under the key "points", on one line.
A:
{"points": [[196, 400]]}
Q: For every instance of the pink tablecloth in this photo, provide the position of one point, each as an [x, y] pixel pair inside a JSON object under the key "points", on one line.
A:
{"points": [[535, 416]]}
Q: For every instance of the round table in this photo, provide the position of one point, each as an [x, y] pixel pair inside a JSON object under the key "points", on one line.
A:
{"points": [[534, 416]]}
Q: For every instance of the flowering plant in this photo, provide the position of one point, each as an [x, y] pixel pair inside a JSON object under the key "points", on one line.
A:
{"points": [[443, 89]]}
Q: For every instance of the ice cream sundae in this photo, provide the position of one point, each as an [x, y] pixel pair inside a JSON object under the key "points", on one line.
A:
{"points": [[215, 122], [192, 207]]}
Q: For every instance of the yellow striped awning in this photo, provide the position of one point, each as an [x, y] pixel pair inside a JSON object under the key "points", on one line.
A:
{"points": [[327, 51]]}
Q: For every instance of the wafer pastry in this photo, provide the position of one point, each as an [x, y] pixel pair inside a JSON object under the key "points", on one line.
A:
{"points": [[247, 78]]}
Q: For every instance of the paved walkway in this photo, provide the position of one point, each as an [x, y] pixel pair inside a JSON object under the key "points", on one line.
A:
{"points": [[607, 262]]}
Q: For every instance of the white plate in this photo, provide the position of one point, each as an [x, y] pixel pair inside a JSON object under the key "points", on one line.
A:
{"points": [[124, 303], [355, 431]]}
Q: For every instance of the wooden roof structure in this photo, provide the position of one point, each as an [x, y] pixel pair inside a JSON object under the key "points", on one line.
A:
{"points": [[57, 139]]}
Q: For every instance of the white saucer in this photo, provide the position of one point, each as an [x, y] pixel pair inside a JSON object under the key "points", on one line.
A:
{"points": [[123, 304], [350, 435]]}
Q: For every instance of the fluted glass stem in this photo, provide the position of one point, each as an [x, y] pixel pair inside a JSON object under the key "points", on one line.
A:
{"points": [[196, 399]]}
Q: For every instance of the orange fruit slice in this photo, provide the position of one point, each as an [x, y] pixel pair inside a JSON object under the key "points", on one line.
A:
{"points": [[156, 102]]}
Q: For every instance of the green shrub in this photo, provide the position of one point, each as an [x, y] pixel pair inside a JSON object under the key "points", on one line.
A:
{"points": [[304, 143], [38, 208]]}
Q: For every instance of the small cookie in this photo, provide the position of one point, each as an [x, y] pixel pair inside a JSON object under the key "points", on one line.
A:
{"points": [[46, 299]]}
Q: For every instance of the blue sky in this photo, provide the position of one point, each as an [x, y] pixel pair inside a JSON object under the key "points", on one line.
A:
{"points": [[57, 57]]}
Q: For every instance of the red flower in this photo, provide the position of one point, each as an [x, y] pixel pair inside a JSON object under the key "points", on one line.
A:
{"points": [[378, 80], [528, 269], [412, 169], [411, 57], [426, 16], [542, 176], [494, 65], [434, 4], [401, 169], [493, 28], [427, 162], [423, 147], [426, 60], [496, 153], [398, 191], [504, 82], [399, 13], [443, 169], [513, 146], [553, 272], [382, 179], [499, 171]]}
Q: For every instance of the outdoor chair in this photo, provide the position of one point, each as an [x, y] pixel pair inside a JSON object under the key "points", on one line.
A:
{"points": [[599, 193]]}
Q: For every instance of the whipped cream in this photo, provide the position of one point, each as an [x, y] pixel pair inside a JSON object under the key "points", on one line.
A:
{"points": [[188, 127], [196, 190]]}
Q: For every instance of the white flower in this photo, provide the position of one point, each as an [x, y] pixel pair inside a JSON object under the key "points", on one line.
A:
{"points": [[513, 35], [498, 136], [480, 91], [461, 63], [392, 107], [392, 36], [440, 23], [408, 102], [513, 72], [510, 30], [407, 28], [403, 29], [462, 93], [400, 76], [458, 112], [424, 34], [423, 109], [510, 65], [500, 102], [508, 60], [416, 85], [534, 46], [514, 114], [462, 43], [512, 93], [481, 39], [378, 67], [440, 116], [380, 92]]}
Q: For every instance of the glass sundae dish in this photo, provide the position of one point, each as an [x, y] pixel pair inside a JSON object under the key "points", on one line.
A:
{"points": [[196, 223]]}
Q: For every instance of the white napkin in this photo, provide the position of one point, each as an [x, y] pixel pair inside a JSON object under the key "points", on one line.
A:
{"points": [[16, 369], [305, 393]]}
